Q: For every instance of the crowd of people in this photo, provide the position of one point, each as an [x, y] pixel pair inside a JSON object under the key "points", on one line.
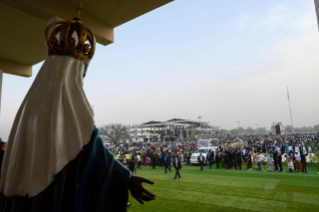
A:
{"points": [[271, 151]]}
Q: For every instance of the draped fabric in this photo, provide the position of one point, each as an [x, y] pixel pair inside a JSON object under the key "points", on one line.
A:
{"points": [[94, 181], [53, 123]]}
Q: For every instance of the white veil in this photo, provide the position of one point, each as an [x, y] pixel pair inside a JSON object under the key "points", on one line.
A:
{"points": [[54, 122]]}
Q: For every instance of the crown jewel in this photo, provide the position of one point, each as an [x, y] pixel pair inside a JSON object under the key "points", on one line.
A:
{"points": [[70, 38]]}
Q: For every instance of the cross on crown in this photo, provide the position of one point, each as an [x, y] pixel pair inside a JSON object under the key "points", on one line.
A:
{"points": [[79, 10]]}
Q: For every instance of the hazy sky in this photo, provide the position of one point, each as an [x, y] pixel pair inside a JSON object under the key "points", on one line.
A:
{"points": [[223, 60]]}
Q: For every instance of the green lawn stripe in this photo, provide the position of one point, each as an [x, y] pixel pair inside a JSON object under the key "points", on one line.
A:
{"points": [[285, 178], [312, 199], [303, 182], [257, 185], [297, 188], [167, 205], [226, 190], [243, 171], [285, 196], [237, 178], [298, 207], [311, 176], [245, 203], [210, 176]]}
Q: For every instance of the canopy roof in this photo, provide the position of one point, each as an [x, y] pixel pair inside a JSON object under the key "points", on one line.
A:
{"points": [[177, 122], [184, 121], [160, 124], [22, 25]]}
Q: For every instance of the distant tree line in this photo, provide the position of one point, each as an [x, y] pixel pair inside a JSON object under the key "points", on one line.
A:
{"points": [[263, 130], [115, 133]]}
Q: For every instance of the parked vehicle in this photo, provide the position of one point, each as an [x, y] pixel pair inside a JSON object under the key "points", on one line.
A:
{"points": [[203, 147]]}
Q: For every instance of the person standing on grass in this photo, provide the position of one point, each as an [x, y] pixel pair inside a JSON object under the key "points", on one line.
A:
{"points": [[217, 158], [188, 157], [131, 163], [254, 159], [270, 164], [121, 157], [259, 158], [243, 153], [178, 166], [201, 160], [170, 161], [144, 158], [154, 159], [222, 161], [233, 158], [229, 153], [182, 155], [303, 155], [139, 162], [167, 161], [298, 161], [226, 160], [210, 157], [279, 161], [248, 160], [290, 159], [238, 158], [213, 157], [294, 162], [275, 159]]}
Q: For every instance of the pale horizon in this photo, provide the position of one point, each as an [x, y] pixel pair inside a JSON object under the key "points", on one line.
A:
{"points": [[223, 61]]}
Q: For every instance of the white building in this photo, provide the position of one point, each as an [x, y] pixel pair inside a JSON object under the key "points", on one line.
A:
{"points": [[170, 130]]}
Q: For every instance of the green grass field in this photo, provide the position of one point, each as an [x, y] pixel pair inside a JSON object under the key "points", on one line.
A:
{"points": [[229, 190]]}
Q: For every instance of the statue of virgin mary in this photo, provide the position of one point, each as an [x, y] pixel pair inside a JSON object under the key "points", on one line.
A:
{"points": [[55, 159]]}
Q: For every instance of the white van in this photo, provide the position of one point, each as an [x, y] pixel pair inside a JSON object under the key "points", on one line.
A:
{"points": [[203, 147]]}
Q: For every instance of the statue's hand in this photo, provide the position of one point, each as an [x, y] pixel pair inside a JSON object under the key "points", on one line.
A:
{"points": [[138, 191]]}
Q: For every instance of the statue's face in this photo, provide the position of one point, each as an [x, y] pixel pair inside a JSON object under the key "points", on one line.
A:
{"points": [[71, 42], [86, 48]]}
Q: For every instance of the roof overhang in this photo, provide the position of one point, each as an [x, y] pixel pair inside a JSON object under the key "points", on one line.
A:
{"points": [[22, 26]]}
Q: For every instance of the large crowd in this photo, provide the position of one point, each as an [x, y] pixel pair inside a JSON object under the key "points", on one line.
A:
{"points": [[252, 151]]}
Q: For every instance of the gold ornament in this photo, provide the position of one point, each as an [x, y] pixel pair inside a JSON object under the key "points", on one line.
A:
{"points": [[66, 45]]}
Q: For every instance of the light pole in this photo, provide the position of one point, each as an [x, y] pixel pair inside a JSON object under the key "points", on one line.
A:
{"points": [[238, 127], [200, 123]]}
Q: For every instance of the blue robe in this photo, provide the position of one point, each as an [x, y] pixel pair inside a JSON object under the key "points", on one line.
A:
{"points": [[94, 181]]}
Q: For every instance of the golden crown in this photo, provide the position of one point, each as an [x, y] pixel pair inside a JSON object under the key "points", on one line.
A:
{"points": [[81, 48]]}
